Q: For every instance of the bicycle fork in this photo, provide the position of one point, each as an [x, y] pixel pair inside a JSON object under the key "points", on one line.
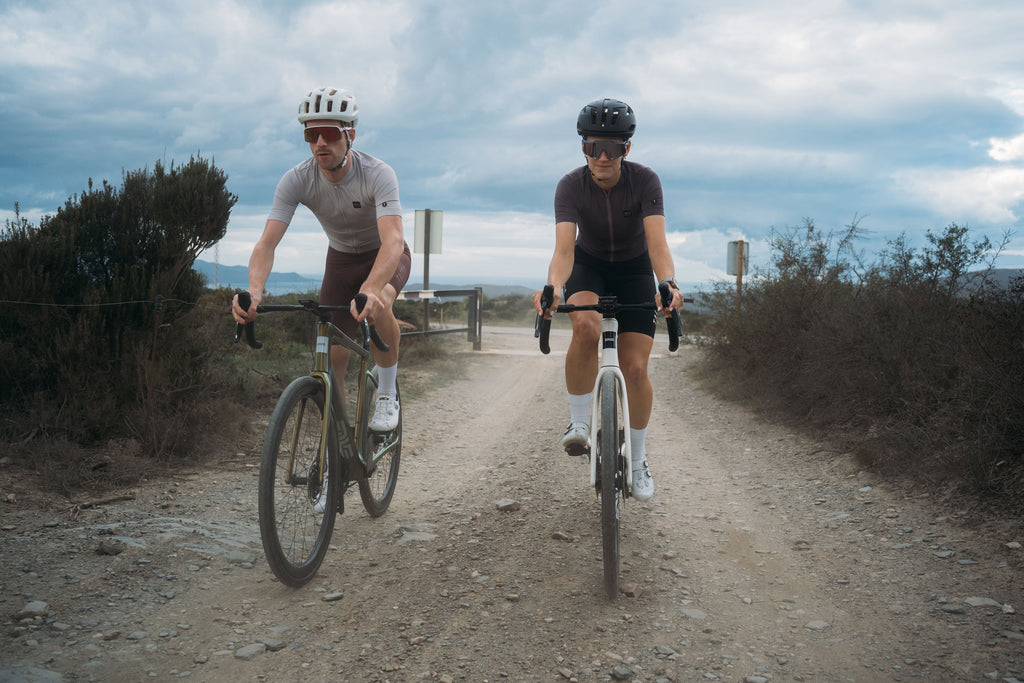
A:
{"points": [[610, 364], [320, 462]]}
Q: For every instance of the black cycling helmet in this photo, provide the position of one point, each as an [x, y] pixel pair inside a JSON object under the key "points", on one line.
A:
{"points": [[607, 118]]}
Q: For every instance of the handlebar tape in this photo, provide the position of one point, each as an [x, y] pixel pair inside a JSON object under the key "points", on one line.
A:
{"points": [[542, 328], [675, 326], [244, 301], [375, 337]]}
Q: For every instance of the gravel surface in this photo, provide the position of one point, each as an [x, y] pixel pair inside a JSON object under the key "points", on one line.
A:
{"points": [[763, 556]]}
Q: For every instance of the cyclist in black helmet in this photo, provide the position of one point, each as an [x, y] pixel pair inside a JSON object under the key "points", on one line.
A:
{"points": [[610, 239]]}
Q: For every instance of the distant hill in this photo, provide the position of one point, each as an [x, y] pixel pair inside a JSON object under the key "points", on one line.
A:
{"points": [[1002, 278], [237, 277]]}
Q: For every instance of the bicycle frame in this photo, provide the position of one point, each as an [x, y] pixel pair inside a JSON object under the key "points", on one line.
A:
{"points": [[610, 364], [350, 438], [350, 446]]}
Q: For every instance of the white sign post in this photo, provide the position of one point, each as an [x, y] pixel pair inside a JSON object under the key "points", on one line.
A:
{"points": [[427, 241]]}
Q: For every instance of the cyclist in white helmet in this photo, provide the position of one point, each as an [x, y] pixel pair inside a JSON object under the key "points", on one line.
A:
{"points": [[355, 198]]}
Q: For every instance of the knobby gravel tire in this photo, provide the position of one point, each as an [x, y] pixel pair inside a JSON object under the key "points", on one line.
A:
{"points": [[608, 443], [297, 513], [378, 488]]}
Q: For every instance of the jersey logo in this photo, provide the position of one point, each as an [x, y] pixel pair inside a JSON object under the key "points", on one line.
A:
{"points": [[356, 205], [628, 213], [384, 203]]}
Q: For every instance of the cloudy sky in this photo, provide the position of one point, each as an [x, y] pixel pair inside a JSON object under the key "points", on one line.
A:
{"points": [[757, 114]]}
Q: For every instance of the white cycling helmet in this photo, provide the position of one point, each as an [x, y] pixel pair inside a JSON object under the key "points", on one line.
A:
{"points": [[329, 103]]}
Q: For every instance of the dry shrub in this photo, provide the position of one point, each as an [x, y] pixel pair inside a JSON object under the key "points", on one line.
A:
{"points": [[904, 361]]}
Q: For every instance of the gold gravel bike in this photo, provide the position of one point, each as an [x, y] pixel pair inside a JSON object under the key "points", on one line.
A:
{"points": [[312, 452]]}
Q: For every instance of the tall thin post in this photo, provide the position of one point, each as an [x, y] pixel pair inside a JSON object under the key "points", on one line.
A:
{"points": [[739, 270], [426, 268]]}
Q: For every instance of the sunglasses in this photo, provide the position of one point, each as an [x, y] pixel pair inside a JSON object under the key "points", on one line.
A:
{"points": [[612, 148], [329, 133]]}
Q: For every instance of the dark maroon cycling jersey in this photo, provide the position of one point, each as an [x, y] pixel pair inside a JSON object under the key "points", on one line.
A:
{"points": [[610, 225]]}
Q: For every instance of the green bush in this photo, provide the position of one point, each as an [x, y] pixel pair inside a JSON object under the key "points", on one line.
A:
{"points": [[101, 337]]}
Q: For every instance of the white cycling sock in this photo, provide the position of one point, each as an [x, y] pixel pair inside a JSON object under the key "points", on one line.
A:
{"points": [[388, 380], [637, 444], [579, 408]]}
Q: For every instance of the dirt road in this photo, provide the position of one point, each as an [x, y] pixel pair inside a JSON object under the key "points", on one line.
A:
{"points": [[762, 557]]}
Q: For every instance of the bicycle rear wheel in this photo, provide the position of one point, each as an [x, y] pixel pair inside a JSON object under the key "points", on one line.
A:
{"points": [[296, 504], [378, 487], [608, 463]]}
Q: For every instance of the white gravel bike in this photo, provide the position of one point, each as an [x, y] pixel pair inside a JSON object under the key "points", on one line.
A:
{"points": [[609, 453]]}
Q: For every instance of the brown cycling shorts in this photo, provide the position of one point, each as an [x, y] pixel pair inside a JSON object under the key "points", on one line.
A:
{"points": [[345, 273]]}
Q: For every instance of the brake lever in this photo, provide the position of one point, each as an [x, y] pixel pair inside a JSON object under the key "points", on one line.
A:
{"points": [[375, 337], [248, 329], [542, 327], [675, 325]]}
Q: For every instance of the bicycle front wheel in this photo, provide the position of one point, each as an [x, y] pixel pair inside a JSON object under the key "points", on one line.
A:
{"points": [[299, 485], [382, 453], [608, 464]]}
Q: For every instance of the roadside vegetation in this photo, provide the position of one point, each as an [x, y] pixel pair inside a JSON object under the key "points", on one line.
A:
{"points": [[914, 361], [104, 362]]}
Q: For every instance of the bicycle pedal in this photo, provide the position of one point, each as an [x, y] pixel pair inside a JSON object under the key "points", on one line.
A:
{"points": [[576, 450]]}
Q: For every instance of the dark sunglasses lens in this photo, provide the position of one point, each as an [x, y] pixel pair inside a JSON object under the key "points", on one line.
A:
{"points": [[329, 133], [613, 150]]}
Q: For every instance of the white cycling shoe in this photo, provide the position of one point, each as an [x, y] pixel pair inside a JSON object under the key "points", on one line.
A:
{"points": [[643, 480], [574, 441], [385, 414]]}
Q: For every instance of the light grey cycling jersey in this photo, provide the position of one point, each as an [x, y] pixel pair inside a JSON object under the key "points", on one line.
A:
{"points": [[348, 211]]}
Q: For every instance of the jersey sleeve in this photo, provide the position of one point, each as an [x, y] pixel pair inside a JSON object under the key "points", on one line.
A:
{"points": [[384, 185], [566, 209], [286, 198], [652, 199]]}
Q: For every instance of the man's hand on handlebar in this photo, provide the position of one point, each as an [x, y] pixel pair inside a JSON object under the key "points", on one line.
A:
{"points": [[242, 315], [371, 310]]}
